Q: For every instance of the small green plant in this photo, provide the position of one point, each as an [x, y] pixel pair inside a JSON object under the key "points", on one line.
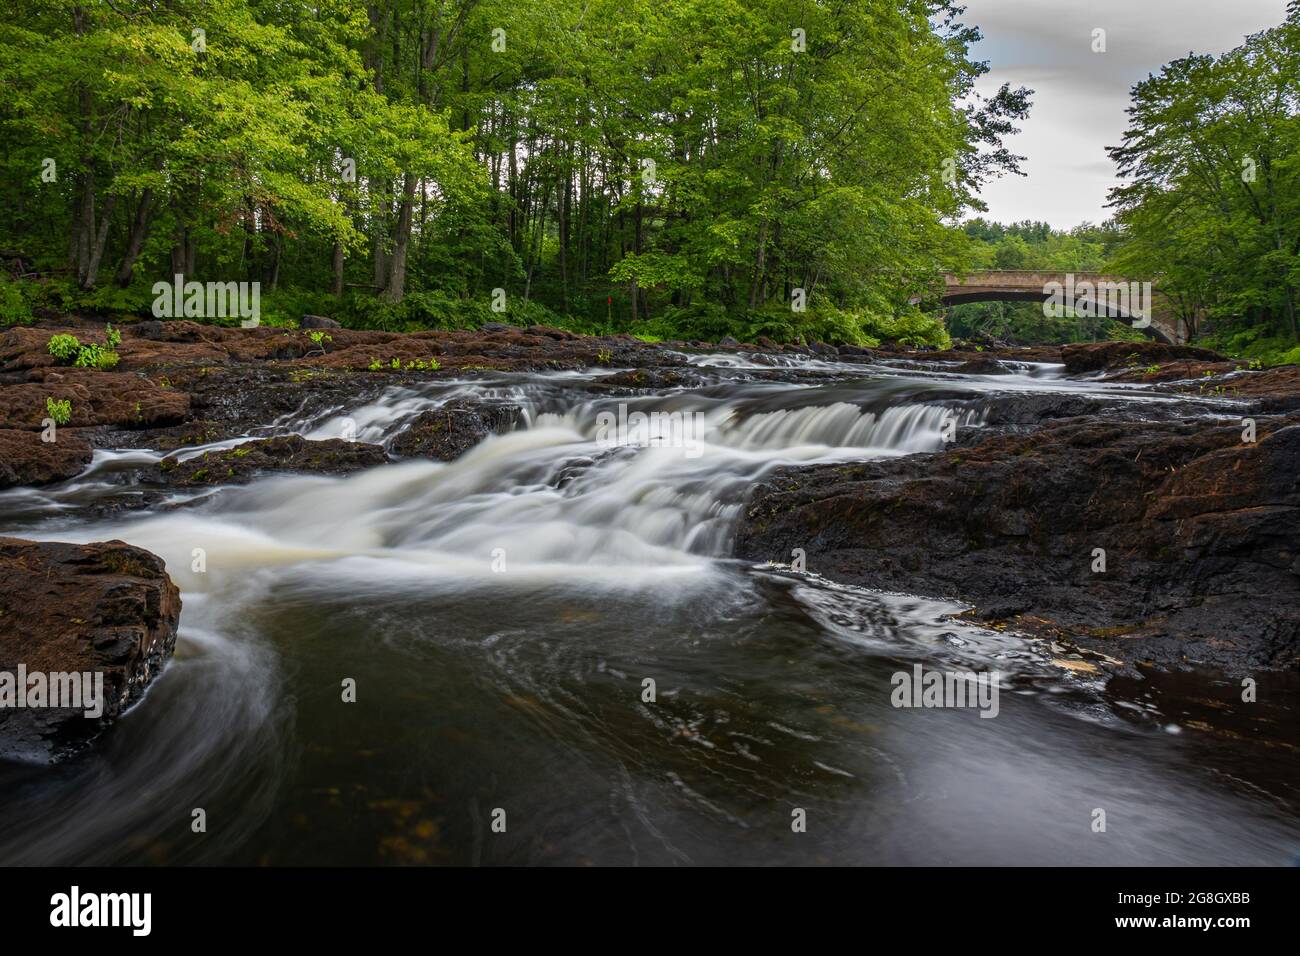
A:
{"points": [[1151, 370], [319, 338], [420, 365], [1256, 364], [604, 356], [60, 411], [374, 365], [67, 348], [96, 356], [63, 347]]}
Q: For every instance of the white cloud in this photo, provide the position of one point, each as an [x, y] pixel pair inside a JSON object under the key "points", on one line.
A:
{"points": [[1080, 96]]}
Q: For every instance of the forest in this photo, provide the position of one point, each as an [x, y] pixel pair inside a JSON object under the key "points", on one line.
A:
{"points": [[678, 169]]}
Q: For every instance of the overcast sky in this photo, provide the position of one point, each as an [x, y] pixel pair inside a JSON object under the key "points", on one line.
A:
{"points": [[1080, 96]]}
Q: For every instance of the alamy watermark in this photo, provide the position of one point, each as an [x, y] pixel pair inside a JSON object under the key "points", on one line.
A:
{"points": [[82, 691], [646, 429], [75, 909], [211, 300], [922, 688], [1102, 297]]}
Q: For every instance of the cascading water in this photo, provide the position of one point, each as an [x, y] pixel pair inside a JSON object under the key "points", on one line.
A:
{"points": [[501, 614]]}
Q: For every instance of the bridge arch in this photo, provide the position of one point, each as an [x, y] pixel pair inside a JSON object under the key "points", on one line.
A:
{"points": [[1025, 286]]}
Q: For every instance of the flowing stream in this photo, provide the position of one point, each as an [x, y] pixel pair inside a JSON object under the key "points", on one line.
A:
{"points": [[499, 615]]}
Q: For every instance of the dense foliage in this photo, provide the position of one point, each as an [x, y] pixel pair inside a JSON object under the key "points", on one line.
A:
{"points": [[662, 166], [1211, 201]]}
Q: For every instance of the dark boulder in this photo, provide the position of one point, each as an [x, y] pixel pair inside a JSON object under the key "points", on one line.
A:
{"points": [[319, 322], [1201, 534], [1105, 356], [448, 432], [287, 453], [983, 365]]}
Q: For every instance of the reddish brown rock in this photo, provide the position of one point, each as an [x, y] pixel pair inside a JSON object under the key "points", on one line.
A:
{"points": [[123, 399], [27, 460], [1105, 356], [107, 609]]}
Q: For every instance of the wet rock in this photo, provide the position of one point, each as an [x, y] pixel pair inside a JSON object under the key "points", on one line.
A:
{"points": [[728, 342], [124, 399], [1269, 391], [645, 379], [27, 460], [983, 365], [108, 609], [1105, 356], [965, 352], [189, 434], [243, 397], [448, 432], [319, 322], [1201, 534], [151, 329], [287, 453]]}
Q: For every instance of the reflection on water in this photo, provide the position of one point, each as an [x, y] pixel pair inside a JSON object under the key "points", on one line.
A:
{"points": [[500, 617]]}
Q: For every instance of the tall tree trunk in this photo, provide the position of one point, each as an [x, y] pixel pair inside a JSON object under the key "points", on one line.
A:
{"points": [[96, 255], [337, 264], [380, 213], [86, 223], [395, 286], [760, 259], [135, 242]]}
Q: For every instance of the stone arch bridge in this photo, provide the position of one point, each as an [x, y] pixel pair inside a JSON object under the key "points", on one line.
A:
{"points": [[1118, 298]]}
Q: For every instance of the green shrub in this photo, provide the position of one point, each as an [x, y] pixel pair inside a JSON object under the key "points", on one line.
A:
{"points": [[63, 347], [912, 328], [110, 298], [96, 356], [706, 322], [67, 348], [15, 309], [1253, 345], [60, 411]]}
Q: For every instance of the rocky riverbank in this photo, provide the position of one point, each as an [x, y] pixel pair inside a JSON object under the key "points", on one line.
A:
{"points": [[71, 610], [1163, 533]]}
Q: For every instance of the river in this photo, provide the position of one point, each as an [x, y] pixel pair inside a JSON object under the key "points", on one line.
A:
{"points": [[499, 617]]}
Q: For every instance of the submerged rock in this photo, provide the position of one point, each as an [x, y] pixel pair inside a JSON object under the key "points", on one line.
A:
{"points": [[108, 610]]}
